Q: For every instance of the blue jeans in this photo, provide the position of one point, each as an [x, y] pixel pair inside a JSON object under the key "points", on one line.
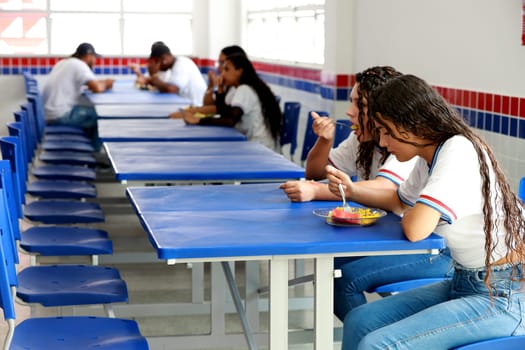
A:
{"points": [[442, 315], [365, 273], [84, 117]]}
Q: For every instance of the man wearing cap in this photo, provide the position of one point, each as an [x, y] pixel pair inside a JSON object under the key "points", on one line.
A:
{"points": [[62, 91], [178, 75]]}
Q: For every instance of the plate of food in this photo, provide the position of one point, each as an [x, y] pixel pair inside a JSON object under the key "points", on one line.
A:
{"points": [[350, 216]]}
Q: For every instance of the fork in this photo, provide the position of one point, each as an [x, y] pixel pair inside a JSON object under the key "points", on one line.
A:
{"points": [[352, 126], [342, 192]]}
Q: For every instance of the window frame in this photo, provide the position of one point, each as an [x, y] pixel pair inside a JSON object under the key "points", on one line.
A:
{"points": [[47, 12]]}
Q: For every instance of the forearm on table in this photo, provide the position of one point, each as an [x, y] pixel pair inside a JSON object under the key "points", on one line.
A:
{"points": [[383, 198]]}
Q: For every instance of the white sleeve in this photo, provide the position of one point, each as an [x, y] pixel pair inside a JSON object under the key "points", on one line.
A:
{"points": [[180, 75], [344, 156], [245, 98], [396, 171], [454, 185], [84, 74]]}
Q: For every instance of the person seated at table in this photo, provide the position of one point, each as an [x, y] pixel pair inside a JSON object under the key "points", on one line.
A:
{"points": [[459, 191], [174, 74], [62, 91], [215, 87], [360, 155], [152, 67], [249, 106]]}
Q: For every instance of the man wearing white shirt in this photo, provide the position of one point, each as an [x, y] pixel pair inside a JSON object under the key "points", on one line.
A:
{"points": [[62, 92], [177, 74]]}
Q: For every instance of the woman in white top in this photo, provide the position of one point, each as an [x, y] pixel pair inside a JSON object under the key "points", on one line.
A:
{"points": [[459, 191], [361, 156], [249, 105]]}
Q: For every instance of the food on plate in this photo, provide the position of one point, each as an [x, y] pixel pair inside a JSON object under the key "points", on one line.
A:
{"points": [[353, 215]]}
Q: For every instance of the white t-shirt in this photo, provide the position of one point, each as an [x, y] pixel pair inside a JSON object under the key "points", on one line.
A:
{"points": [[252, 122], [344, 158], [452, 186], [63, 87], [187, 77]]}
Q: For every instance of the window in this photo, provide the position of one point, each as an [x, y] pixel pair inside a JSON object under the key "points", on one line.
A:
{"points": [[114, 27], [289, 30]]}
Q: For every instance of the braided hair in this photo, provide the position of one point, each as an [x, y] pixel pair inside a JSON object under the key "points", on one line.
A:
{"points": [[414, 106], [367, 81]]}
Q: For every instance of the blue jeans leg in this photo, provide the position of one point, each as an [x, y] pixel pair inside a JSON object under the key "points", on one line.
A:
{"points": [[365, 273], [84, 117], [439, 316]]}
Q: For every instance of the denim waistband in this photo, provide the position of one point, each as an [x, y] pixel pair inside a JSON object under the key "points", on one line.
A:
{"points": [[499, 272], [501, 267]]}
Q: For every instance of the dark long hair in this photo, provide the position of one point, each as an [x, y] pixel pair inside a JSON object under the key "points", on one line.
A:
{"points": [[233, 50], [369, 80], [414, 106], [269, 106]]}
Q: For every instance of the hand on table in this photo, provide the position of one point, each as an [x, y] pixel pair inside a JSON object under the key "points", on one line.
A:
{"points": [[300, 191], [190, 118]]}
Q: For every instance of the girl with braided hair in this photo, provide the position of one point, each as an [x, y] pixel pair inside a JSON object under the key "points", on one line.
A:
{"points": [[362, 156], [459, 191]]}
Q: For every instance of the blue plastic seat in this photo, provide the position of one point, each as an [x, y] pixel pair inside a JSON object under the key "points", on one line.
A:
{"points": [[58, 285], [68, 157], [290, 125], [61, 189], [57, 332], [80, 333], [309, 136], [67, 146], [48, 172], [51, 240], [64, 172], [342, 131], [67, 285], [46, 211], [63, 212], [55, 157], [67, 138], [65, 241], [504, 343]]}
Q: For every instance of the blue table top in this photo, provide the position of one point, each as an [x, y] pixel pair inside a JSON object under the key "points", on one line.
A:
{"points": [[240, 161], [253, 220], [138, 111], [135, 96], [241, 233], [136, 130], [224, 197]]}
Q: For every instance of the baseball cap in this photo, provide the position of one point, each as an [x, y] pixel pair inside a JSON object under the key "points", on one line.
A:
{"points": [[158, 49], [85, 49]]}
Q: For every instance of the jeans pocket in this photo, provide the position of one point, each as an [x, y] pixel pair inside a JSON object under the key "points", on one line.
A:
{"points": [[518, 304]]}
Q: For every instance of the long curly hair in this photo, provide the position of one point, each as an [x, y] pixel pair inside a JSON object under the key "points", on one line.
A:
{"points": [[269, 106], [368, 80], [413, 106]]}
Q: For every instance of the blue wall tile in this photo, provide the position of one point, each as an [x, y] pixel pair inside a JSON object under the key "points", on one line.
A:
{"points": [[513, 129]]}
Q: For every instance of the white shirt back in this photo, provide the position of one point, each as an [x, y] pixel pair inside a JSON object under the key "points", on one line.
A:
{"points": [[187, 77], [252, 123], [63, 87]]}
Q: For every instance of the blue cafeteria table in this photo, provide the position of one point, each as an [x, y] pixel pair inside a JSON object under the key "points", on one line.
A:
{"points": [[125, 130], [136, 111]]}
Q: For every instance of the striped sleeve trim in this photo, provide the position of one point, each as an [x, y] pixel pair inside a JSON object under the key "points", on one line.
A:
{"points": [[390, 175], [447, 214]]}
